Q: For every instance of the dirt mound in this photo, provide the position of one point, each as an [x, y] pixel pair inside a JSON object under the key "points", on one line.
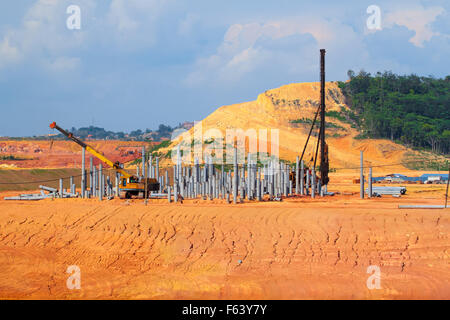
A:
{"points": [[290, 109]]}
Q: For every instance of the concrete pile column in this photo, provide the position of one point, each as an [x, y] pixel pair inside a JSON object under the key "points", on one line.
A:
{"points": [[94, 181], [212, 187], [249, 176], [258, 184], [175, 170], [108, 187], [143, 163], [71, 185], [116, 189], [91, 176], [302, 178], [290, 185], [235, 177], [150, 166], [83, 172], [297, 176], [179, 166], [175, 193], [157, 169], [167, 178], [242, 189], [308, 178], [195, 171], [211, 167], [361, 176], [100, 184], [278, 179], [182, 186], [61, 190]]}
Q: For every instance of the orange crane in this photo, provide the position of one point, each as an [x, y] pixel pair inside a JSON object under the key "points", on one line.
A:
{"points": [[129, 185]]}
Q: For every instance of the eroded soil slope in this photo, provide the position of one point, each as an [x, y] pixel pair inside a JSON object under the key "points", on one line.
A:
{"points": [[290, 110]]}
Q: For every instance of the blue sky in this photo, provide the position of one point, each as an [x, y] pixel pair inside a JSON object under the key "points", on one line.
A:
{"points": [[137, 63]]}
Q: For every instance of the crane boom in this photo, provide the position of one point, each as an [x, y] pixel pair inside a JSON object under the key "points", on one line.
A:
{"points": [[114, 165]]}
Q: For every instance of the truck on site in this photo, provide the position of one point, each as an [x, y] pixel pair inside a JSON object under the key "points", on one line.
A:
{"points": [[129, 185]]}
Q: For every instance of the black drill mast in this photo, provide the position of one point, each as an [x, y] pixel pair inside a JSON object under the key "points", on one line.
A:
{"points": [[324, 165]]}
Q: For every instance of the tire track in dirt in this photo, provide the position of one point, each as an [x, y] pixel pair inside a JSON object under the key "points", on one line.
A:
{"points": [[280, 251]]}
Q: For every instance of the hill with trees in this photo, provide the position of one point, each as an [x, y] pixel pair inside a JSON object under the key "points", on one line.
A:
{"points": [[411, 110], [164, 132]]}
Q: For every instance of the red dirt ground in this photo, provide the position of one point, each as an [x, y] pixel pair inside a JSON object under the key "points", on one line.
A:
{"points": [[299, 248], [65, 154]]}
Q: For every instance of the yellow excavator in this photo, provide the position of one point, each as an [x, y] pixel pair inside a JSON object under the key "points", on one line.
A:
{"points": [[129, 185]]}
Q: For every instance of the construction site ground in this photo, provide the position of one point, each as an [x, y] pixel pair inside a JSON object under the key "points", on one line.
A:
{"points": [[300, 248]]}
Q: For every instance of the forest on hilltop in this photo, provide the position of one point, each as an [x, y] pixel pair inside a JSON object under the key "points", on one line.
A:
{"points": [[411, 110]]}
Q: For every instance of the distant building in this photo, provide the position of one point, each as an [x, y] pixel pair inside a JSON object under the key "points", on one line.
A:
{"points": [[395, 177], [434, 177], [425, 178]]}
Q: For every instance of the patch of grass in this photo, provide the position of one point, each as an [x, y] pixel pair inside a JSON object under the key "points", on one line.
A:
{"points": [[302, 120], [336, 115], [39, 171], [426, 161], [162, 145], [309, 121], [334, 135], [11, 157], [153, 151], [333, 126]]}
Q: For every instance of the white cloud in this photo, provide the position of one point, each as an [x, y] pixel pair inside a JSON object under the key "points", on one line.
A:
{"points": [[8, 53], [417, 19], [44, 27], [186, 25], [43, 35], [132, 23], [257, 46], [119, 17], [62, 64]]}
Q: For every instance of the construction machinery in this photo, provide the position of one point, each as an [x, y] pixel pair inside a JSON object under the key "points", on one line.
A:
{"points": [[129, 185], [324, 162]]}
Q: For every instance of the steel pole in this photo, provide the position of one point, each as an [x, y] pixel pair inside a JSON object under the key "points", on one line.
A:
{"points": [[361, 176]]}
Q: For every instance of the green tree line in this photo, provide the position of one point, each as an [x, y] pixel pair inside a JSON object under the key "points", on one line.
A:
{"points": [[409, 109]]}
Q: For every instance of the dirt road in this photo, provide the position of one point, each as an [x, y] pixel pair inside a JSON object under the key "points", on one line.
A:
{"points": [[289, 250]]}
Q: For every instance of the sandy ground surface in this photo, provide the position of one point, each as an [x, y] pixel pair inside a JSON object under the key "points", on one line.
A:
{"points": [[297, 249]]}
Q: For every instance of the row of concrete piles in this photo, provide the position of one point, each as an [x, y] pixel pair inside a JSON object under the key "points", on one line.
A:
{"points": [[248, 181], [100, 184], [369, 189]]}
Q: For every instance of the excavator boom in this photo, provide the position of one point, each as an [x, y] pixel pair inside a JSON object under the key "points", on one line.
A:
{"points": [[114, 165]]}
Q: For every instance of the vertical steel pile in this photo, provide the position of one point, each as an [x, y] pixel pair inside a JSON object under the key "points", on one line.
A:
{"points": [[361, 176]]}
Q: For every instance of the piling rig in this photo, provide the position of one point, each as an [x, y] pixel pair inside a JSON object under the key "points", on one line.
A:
{"points": [[324, 163], [129, 185]]}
